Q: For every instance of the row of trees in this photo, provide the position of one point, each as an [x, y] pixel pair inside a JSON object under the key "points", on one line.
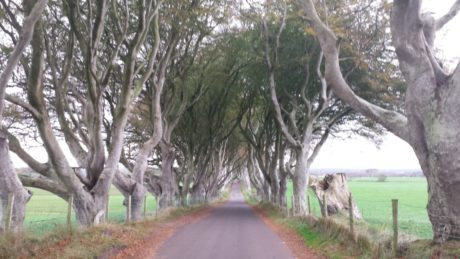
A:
{"points": [[219, 90], [95, 71], [176, 98]]}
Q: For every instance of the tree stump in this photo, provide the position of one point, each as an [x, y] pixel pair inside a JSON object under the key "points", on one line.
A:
{"points": [[335, 188]]}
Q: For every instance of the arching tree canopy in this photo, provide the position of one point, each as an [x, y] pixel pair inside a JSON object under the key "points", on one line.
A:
{"points": [[176, 98]]}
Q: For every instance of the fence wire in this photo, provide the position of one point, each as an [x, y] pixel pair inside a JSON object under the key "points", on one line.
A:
{"points": [[46, 212], [377, 219]]}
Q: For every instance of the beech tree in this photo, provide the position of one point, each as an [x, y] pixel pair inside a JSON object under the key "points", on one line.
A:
{"points": [[430, 122], [300, 99], [69, 71], [190, 31], [9, 180]]}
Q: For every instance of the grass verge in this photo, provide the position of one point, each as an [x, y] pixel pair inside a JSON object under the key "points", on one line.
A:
{"points": [[102, 241], [324, 236], [333, 240]]}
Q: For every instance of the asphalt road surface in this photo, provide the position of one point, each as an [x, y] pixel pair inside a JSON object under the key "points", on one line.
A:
{"points": [[232, 231]]}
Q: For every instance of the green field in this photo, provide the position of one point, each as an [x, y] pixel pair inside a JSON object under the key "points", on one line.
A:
{"points": [[374, 202], [46, 211]]}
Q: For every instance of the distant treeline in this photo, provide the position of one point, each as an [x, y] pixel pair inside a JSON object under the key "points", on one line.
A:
{"points": [[370, 172]]}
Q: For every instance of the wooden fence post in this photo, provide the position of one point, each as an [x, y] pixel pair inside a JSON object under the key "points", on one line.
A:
{"points": [[69, 213], [324, 206], [350, 210], [128, 210], [9, 211], [107, 204], [394, 203]]}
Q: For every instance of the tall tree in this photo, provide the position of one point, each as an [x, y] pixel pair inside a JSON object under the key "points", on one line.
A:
{"points": [[300, 98], [182, 67], [9, 181], [102, 38], [430, 124]]}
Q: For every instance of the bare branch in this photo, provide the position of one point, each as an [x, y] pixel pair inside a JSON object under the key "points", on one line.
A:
{"points": [[31, 179], [17, 101], [393, 121], [15, 147], [448, 16], [271, 78], [24, 39], [324, 100], [326, 134]]}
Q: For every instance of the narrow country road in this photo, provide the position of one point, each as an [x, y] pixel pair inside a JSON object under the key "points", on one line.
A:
{"points": [[232, 231]]}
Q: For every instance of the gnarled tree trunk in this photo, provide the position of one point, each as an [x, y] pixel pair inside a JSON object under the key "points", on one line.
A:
{"points": [[274, 183], [9, 180], [168, 178], [432, 104], [335, 188], [282, 190], [89, 210], [10, 184]]}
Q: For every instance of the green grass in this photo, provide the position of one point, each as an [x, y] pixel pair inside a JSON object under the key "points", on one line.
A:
{"points": [[102, 241], [46, 211], [374, 201], [324, 236]]}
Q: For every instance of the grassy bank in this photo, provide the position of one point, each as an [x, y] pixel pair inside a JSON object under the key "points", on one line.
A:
{"points": [[324, 236], [333, 240], [102, 241], [374, 202]]}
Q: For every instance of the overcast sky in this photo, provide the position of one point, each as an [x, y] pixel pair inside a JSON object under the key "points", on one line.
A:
{"points": [[394, 153]]}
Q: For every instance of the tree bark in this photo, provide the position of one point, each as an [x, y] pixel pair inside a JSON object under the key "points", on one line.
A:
{"points": [[89, 210], [432, 105], [300, 182], [274, 187], [282, 192], [9, 180], [335, 188], [168, 177], [10, 184]]}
